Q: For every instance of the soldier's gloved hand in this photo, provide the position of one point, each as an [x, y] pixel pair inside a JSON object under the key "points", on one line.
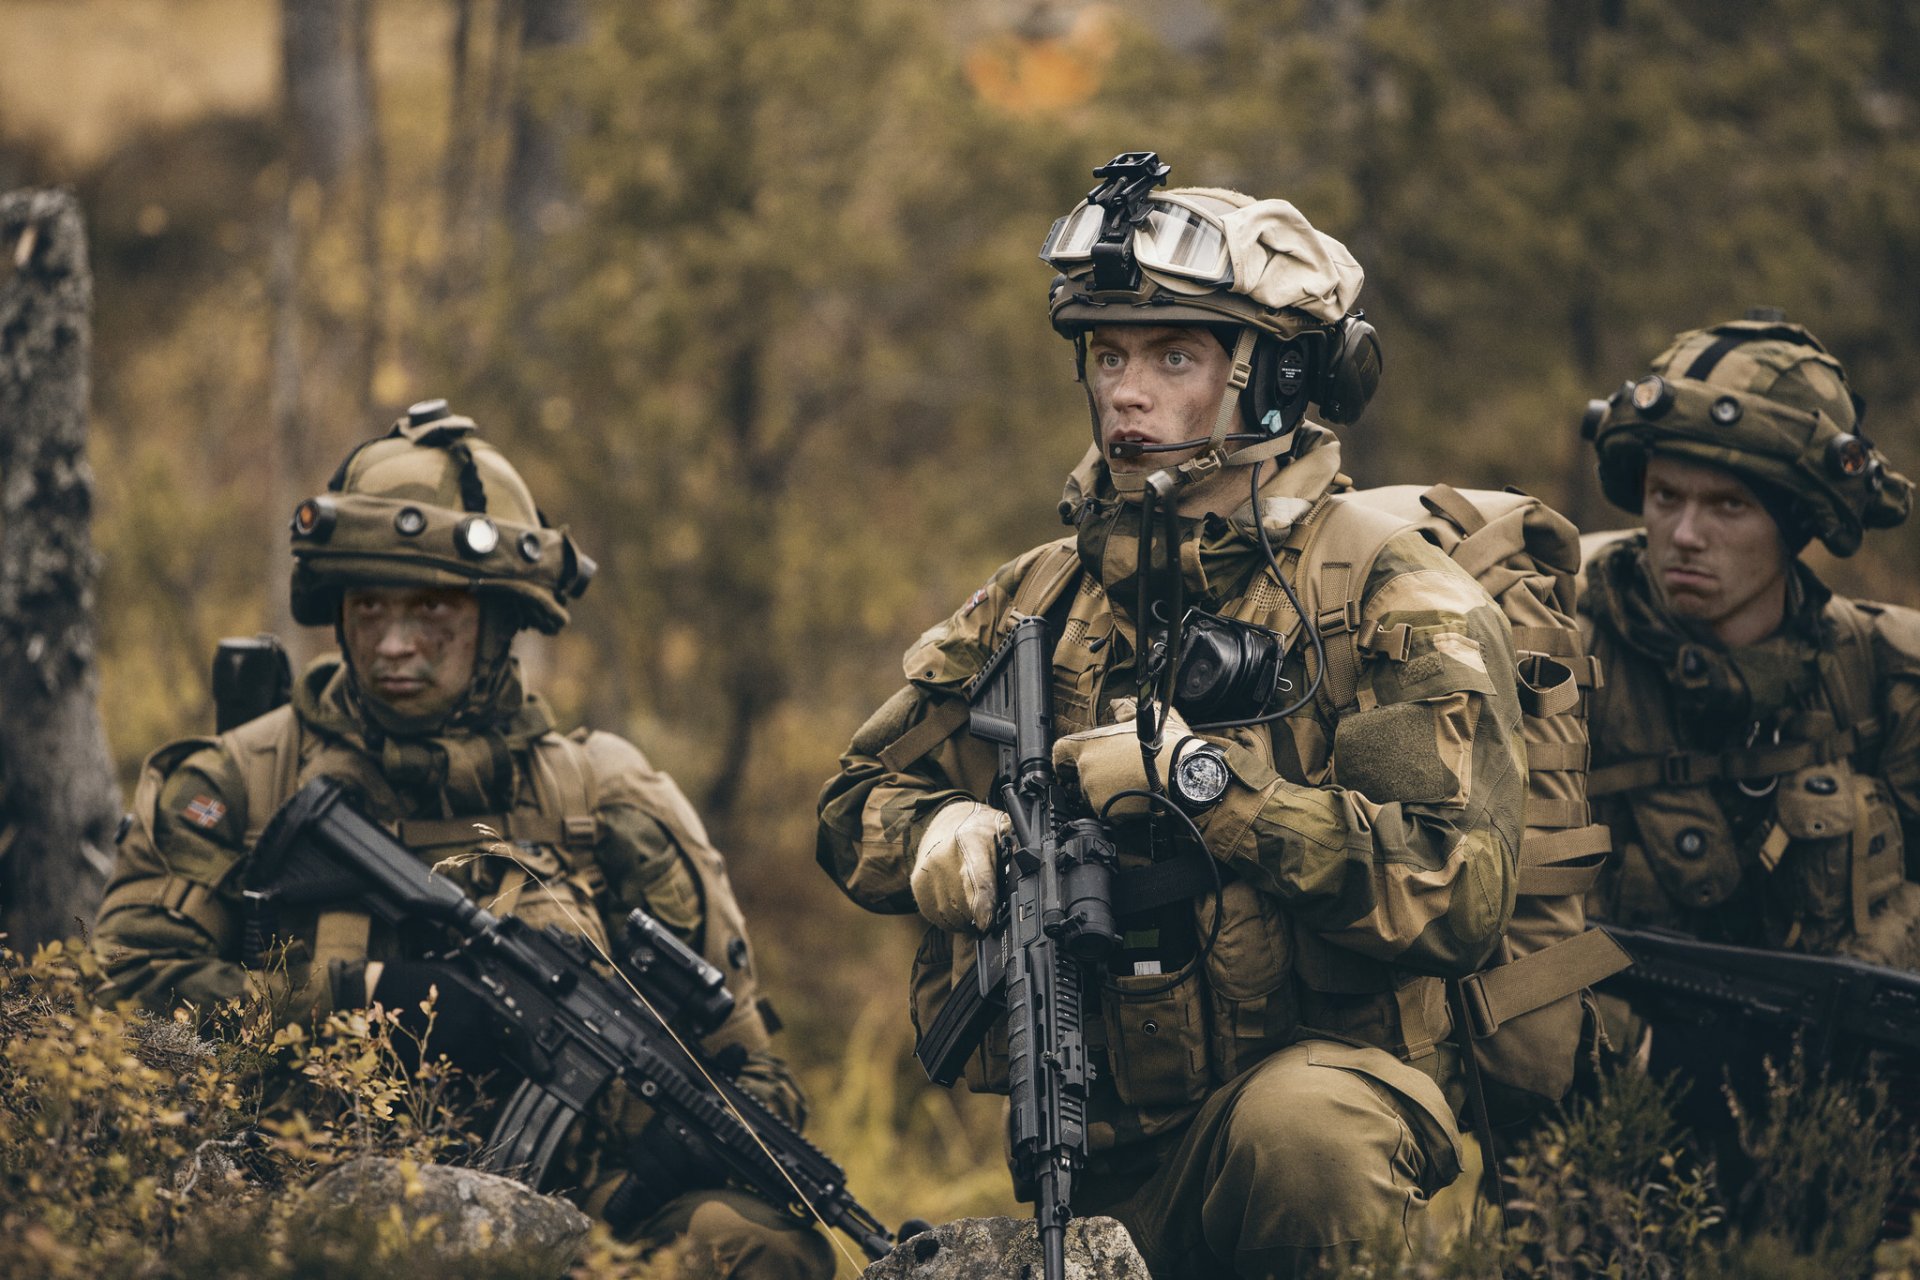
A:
{"points": [[462, 1025], [1106, 761], [954, 870]]}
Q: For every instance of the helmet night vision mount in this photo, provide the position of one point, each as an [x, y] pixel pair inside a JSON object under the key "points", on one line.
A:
{"points": [[1195, 256]]}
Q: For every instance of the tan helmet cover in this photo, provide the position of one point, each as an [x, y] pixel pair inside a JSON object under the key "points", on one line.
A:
{"points": [[1764, 400], [1287, 277], [431, 504]]}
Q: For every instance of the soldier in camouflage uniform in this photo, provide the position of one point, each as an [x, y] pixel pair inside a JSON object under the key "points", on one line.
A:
{"points": [[427, 554], [1756, 740], [1273, 1080]]}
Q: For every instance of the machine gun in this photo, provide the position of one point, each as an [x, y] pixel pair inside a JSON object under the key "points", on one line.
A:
{"points": [[1841, 1003], [568, 1029], [1054, 922]]}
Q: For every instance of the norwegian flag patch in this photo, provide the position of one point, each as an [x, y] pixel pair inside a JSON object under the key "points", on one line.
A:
{"points": [[973, 601], [204, 812]]}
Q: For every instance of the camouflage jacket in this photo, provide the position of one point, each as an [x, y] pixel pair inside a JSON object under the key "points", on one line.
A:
{"points": [[1766, 796], [1366, 849], [596, 830]]}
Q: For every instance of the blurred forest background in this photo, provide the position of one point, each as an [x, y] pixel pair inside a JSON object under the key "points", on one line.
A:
{"points": [[748, 289]]}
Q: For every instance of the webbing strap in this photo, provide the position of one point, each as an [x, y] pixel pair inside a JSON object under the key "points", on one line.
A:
{"points": [[179, 897], [1557, 757], [1545, 848], [1683, 768], [1534, 981], [942, 720], [1556, 882], [1556, 642], [1501, 538], [1417, 1031], [1547, 686], [1545, 812], [1450, 504]]}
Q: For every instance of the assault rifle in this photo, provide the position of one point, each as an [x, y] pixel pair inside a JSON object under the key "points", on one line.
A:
{"points": [[1841, 1002], [1054, 921], [568, 1029]]}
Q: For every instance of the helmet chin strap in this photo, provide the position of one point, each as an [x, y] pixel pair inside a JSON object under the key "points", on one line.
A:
{"points": [[1215, 455]]}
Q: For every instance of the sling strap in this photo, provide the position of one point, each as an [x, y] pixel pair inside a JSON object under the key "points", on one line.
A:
{"points": [[1533, 981]]}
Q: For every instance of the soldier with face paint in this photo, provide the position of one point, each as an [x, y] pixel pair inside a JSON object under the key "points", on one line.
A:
{"points": [[1756, 738], [1271, 1083], [427, 554]]}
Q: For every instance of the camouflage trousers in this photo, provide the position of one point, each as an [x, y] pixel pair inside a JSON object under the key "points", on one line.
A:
{"points": [[729, 1235], [1319, 1147]]}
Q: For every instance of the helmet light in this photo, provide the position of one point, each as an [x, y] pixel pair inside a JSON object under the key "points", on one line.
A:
{"points": [[529, 547], [1652, 396], [314, 519], [1847, 456], [476, 537], [1725, 411], [1595, 415], [409, 522]]}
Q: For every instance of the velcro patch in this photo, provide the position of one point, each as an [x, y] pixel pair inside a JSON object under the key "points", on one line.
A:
{"points": [[204, 811]]}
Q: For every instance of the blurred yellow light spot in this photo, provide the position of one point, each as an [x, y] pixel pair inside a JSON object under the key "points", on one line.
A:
{"points": [[151, 220], [1031, 76]]}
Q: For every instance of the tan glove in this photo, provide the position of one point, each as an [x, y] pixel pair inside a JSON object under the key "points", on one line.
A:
{"points": [[1104, 762], [955, 868]]}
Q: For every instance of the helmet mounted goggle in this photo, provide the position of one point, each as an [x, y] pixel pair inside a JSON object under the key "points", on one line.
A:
{"points": [[1122, 229]]}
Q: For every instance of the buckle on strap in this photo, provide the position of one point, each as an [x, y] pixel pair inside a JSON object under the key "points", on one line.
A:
{"points": [[1676, 770], [580, 832], [1342, 617], [1479, 1011]]}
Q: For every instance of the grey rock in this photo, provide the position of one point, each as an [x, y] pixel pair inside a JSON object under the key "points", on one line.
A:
{"points": [[475, 1214], [1009, 1249]]}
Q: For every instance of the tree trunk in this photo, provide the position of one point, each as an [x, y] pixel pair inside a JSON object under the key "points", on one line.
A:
{"points": [[539, 197], [61, 801], [329, 121]]}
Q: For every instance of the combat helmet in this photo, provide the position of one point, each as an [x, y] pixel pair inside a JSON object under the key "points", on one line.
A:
{"points": [[1130, 254], [431, 504], [1763, 399]]}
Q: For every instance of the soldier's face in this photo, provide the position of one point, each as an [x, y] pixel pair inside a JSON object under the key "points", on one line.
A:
{"points": [[412, 647], [1715, 552], [1154, 384]]}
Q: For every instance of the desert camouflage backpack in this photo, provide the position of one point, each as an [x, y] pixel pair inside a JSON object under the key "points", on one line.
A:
{"points": [[1529, 1009]]}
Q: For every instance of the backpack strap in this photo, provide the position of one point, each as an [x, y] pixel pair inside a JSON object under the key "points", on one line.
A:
{"points": [[1535, 980], [1338, 541], [267, 752]]}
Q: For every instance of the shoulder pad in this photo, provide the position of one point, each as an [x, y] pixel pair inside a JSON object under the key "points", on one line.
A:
{"points": [[1895, 630], [950, 653]]}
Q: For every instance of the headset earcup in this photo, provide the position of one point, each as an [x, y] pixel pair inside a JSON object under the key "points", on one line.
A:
{"points": [[1262, 390], [1351, 376]]}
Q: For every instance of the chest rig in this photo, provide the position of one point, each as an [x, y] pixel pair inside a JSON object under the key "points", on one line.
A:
{"points": [[1790, 840], [550, 832]]}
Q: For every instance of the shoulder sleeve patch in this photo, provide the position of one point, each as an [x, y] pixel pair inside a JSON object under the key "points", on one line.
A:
{"points": [[950, 653]]}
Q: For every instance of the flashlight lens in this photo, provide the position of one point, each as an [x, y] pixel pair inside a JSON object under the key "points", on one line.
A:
{"points": [[477, 536]]}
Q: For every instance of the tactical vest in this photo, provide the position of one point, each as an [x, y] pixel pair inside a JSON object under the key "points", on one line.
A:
{"points": [[1264, 983], [552, 877], [1824, 813]]}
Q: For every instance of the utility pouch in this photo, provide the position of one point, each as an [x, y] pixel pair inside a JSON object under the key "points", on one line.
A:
{"points": [[1255, 1008], [1688, 843], [938, 969], [1157, 1037]]}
